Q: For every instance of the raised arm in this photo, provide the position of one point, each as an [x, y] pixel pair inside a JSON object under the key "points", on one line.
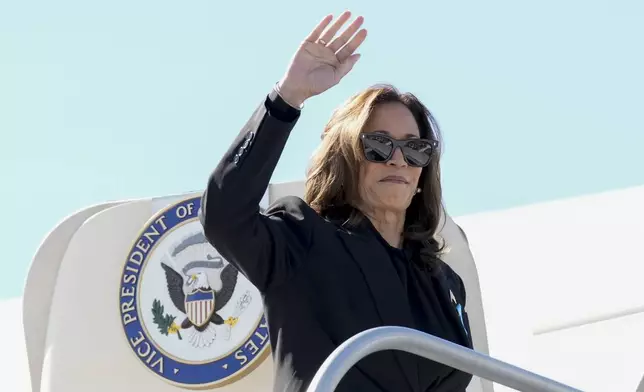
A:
{"points": [[267, 247]]}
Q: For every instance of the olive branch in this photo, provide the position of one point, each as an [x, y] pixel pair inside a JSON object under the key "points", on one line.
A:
{"points": [[165, 323]]}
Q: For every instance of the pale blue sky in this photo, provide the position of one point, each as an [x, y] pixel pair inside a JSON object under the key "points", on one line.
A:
{"points": [[537, 100]]}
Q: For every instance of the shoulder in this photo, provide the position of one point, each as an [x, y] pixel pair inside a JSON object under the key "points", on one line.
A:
{"points": [[291, 207], [288, 203], [297, 225], [295, 212]]}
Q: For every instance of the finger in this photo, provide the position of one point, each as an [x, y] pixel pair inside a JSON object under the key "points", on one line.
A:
{"points": [[347, 65], [342, 39], [328, 35], [317, 31], [351, 46]]}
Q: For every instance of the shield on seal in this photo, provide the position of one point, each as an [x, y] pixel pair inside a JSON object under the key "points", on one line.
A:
{"points": [[200, 304]]}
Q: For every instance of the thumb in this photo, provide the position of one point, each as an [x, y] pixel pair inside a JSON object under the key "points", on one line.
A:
{"points": [[347, 65]]}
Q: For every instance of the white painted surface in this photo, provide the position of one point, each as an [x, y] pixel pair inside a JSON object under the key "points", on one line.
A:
{"points": [[565, 263], [14, 367], [41, 282]]}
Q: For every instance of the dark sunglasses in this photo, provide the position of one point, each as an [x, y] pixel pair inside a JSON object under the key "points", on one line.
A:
{"points": [[379, 148]]}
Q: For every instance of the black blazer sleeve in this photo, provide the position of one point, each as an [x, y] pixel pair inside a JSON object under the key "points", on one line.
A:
{"points": [[265, 247]]}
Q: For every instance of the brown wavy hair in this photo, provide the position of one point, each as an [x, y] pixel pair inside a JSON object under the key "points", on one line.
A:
{"points": [[331, 186]]}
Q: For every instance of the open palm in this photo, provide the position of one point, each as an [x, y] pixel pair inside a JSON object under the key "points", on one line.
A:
{"points": [[323, 59]]}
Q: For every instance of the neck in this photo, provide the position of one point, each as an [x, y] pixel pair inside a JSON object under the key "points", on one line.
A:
{"points": [[389, 224]]}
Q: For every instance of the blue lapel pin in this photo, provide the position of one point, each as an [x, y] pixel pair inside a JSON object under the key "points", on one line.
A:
{"points": [[459, 309]]}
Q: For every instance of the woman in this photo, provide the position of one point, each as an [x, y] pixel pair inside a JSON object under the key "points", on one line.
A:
{"points": [[359, 251]]}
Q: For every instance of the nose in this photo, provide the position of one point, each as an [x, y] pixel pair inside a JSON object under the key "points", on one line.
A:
{"points": [[397, 159]]}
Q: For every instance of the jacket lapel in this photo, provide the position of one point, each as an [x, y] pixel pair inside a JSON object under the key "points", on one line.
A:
{"points": [[389, 296], [453, 298]]}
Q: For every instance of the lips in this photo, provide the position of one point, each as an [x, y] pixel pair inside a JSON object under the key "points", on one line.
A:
{"points": [[395, 180]]}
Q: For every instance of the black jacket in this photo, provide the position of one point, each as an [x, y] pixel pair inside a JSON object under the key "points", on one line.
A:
{"points": [[321, 283]]}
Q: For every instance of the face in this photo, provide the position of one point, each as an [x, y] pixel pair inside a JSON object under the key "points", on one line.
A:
{"points": [[391, 185]]}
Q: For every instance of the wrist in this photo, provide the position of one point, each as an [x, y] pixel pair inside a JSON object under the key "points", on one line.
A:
{"points": [[281, 109], [291, 96]]}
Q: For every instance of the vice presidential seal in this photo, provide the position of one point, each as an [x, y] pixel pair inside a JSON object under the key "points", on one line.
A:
{"points": [[189, 315]]}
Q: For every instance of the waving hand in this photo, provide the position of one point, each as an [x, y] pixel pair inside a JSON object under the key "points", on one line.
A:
{"points": [[323, 59]]}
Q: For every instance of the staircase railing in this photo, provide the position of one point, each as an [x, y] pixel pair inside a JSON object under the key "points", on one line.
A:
{"points": [[412, 341]]}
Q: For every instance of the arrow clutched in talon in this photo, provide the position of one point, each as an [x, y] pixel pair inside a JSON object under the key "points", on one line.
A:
{"points": [[242, 304]]}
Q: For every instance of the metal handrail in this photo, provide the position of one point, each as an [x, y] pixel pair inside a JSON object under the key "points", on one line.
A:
{"points": [[412, 341]]}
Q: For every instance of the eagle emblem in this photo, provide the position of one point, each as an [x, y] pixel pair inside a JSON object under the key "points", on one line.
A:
{"points": [[193, 296]]}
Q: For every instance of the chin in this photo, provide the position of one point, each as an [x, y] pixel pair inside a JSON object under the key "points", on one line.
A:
{"points": [[398, 204]]}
